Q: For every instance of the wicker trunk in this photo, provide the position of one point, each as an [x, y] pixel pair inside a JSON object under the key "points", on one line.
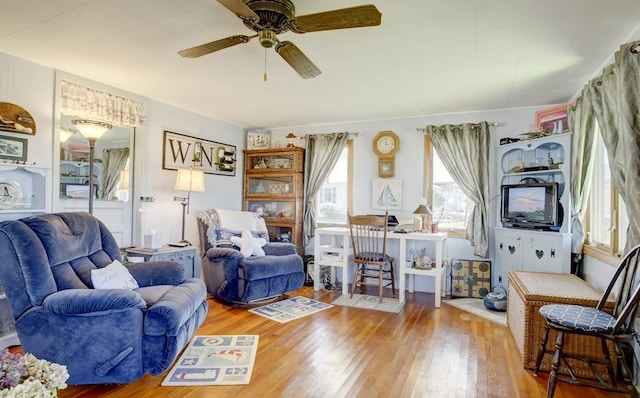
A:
{"points": [[528, 291]]}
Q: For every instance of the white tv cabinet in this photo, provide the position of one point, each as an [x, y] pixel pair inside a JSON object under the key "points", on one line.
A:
{"points": [[545, 159]]}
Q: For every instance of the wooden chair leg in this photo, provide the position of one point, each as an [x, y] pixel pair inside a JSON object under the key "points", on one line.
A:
{"points": [[541, 350], [393, 280], [553, 376], [380, 281], [355, 279]]}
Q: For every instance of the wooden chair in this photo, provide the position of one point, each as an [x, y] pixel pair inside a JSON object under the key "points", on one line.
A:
{"points": [[616, 328], [369, 242]]}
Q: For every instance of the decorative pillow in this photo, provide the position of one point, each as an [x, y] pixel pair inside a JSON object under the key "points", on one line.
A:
{"points": [[113, 276], [249, 246]]}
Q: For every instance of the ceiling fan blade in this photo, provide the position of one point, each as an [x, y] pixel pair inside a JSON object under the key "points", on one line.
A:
{"points": [[297, 60], [353, 17], [208, 48], [239, 8]]}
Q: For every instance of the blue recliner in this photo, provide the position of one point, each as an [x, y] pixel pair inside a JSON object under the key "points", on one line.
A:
{"points": [[103, 336], [234, 278]]}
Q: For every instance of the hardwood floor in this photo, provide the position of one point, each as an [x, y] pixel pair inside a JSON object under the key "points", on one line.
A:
{"points": [[347, 352]]}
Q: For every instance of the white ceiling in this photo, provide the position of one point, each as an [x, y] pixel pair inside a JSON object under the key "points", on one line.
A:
{"points": [[428, 56]]}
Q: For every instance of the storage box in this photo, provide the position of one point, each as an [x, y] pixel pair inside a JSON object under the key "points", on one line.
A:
{"points": [[528, 291]]}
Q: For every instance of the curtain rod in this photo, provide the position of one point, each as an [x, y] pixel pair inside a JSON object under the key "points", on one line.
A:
{"points": [[424, 129]]}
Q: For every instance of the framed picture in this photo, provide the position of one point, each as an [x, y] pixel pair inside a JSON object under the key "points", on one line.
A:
{"points": [[386, 193], [182, 151], [258, 139], [553, 120], [13, 148]]}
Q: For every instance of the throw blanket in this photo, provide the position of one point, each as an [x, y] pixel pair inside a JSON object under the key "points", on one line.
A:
{"points": [[223, 224]]}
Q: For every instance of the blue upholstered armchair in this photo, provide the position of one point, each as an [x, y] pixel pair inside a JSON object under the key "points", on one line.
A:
{"points": [[102, 335], [233, 277]]}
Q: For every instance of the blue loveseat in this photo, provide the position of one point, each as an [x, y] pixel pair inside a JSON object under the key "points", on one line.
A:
{"points": [[103, 336], [234, 278]]}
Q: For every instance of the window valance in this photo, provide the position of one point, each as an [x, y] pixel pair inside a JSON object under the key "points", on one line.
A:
{"points": [[87, 102]]}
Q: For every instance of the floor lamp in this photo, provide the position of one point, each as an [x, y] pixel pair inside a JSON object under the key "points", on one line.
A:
{"points": [[189, 180], [92, 131]]}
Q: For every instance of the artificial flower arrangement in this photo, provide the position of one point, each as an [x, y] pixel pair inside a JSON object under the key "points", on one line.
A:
{"points": [[23, 376]]}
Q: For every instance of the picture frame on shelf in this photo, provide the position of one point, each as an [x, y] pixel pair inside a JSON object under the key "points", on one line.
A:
{"points": [[386, 194], [258, 139], [13, 148], [553, 120]]}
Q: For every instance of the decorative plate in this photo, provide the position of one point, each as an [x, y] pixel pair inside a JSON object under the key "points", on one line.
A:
{"points": [[10, 193]]}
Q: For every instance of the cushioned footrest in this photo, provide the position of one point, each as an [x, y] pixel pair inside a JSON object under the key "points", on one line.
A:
{"points": [[256, 268]]}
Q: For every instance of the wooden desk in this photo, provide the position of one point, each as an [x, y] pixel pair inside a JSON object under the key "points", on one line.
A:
{"points": [[332, 248]]}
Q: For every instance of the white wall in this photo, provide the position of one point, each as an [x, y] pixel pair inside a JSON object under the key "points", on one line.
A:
{"points": [[165, 215]]}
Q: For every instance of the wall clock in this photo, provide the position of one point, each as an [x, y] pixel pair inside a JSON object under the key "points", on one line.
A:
{"points": [[386, 145]]}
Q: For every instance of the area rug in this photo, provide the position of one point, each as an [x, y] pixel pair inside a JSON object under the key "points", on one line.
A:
{"points": [[291, 309], [370, 303], [215, 360], [476, 307]]}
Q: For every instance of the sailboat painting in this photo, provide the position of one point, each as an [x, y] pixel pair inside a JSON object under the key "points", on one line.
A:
{"points": [[386, 193]]}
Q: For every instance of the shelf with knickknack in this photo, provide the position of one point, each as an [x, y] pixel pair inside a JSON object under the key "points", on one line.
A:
{"points": [[23, 190], [273, 184], [535, 234], [74, 178]]}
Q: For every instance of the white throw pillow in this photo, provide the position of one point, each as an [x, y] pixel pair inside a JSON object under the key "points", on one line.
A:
{"points": [[249, 246], [113, 276]]}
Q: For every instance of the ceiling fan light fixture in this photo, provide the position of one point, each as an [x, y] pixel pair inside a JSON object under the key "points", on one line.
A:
{"points": [[267, 38]]}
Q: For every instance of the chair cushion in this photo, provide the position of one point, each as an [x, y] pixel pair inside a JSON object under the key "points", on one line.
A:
{"points": [[249, 246], [578, 317]]}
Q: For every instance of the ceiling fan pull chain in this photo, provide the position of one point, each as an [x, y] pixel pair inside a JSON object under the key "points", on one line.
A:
{"points": [[265, 65]]}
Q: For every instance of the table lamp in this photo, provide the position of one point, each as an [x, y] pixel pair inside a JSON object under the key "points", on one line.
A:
{"points": [[189, 180], [418, 218]]}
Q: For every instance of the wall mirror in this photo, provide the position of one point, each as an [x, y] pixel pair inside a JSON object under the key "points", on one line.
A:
{"points": [[112, 176]]}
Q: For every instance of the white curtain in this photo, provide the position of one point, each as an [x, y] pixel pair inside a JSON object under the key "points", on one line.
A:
{"points": [[581, 122], [615, 97], [87, 102], [321, 155], [113, 162], [464, 151]]}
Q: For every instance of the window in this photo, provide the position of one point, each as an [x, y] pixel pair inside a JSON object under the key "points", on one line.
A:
{"points": [[606, 220], [334, 198], [449, 205]]}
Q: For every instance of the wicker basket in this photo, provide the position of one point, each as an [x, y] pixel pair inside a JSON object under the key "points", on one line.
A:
{"points": [[528, 291]]}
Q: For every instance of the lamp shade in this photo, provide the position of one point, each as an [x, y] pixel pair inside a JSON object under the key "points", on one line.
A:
{"points": [[422, 209], [66, 133], [91, 129], [190, 180]]}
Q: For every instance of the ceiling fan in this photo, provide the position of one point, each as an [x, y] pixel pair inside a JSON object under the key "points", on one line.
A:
{"points": [[268, 18]]}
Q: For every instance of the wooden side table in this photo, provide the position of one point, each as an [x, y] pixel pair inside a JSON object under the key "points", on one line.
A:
{"points": [[187, 256]]}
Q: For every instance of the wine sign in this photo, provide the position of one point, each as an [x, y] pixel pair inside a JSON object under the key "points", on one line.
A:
{"points": [[182, 151]]}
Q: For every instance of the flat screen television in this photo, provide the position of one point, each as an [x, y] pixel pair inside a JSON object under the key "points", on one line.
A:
{"points": [[531, 206]]}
